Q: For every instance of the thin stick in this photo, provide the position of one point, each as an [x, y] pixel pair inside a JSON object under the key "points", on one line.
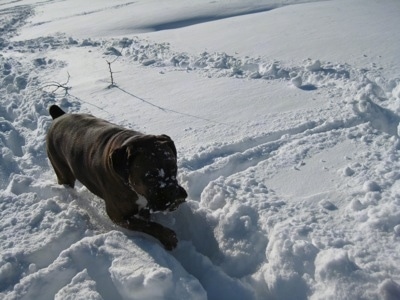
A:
{"points": [[56, 85]]}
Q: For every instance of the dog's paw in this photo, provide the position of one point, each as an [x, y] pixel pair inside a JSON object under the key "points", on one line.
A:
{"points": [[168, 238]]}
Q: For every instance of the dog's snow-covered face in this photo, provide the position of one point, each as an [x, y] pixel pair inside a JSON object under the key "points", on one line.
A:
{"points": [[151, 170]]}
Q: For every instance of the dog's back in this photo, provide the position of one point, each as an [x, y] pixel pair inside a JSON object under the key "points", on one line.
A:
{"points": [[78, 146]]}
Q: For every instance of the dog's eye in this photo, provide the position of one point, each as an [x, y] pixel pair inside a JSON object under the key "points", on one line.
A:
{"points": [[151, 178], [151, 182]]}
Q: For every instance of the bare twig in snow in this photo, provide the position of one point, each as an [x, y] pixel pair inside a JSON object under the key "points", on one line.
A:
{"points": [[56, 85], [118, 54]]}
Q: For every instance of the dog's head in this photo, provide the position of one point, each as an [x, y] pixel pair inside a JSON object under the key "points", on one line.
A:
{"points": [[147, 164]]}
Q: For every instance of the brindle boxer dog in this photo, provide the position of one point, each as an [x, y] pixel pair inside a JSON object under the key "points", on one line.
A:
{"points": [[134, 173]]}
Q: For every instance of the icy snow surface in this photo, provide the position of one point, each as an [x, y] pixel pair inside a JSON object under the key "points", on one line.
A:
{"points": [[286, 119]]}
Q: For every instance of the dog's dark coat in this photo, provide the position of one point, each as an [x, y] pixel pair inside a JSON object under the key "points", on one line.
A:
{"points": [[134, 173]]}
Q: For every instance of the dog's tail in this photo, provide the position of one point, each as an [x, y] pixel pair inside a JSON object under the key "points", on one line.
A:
{"points": [[55, 111]]}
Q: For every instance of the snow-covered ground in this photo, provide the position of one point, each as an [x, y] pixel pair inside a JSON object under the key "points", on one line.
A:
{"points": [[286, 119]]}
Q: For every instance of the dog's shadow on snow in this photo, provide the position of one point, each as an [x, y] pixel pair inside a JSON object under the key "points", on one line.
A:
{"points": [[191, 224]]}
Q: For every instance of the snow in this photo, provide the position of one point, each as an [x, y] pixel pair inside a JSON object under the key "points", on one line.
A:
{"points": [[286, 119]]}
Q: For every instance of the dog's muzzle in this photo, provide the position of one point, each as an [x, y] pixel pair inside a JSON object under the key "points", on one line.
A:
{"points": [[174, 205], [169, 199]]}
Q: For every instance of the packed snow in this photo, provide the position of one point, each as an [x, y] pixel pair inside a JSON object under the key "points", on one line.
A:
{"points": [[286, 119]]}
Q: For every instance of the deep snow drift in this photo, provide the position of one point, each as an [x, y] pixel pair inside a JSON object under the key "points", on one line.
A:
{"points": [[286, 119]]}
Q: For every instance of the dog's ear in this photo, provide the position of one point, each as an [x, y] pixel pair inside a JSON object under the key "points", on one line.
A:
{"points": [[119, 162], [165, 138]]}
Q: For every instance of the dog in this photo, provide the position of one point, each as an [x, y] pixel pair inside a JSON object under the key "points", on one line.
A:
{"points": [[133, 172]]}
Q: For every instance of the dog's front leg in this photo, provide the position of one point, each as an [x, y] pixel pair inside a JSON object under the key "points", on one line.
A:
{"points": [[165, 235]]}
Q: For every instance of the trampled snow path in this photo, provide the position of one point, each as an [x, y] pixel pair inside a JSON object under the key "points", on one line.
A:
{"points": [[268, 215]]}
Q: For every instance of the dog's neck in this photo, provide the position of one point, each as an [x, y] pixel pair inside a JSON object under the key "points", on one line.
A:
{"points": [[141, 201]]}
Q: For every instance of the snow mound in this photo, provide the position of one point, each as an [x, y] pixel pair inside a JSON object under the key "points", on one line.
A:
{"points": [[139, 270]]}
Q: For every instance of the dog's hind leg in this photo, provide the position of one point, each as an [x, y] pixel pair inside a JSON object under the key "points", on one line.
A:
{"points": [[65, 177], [63, 172]]}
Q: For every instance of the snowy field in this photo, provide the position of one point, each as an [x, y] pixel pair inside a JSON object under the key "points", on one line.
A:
{"points": [[286, 119]]}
